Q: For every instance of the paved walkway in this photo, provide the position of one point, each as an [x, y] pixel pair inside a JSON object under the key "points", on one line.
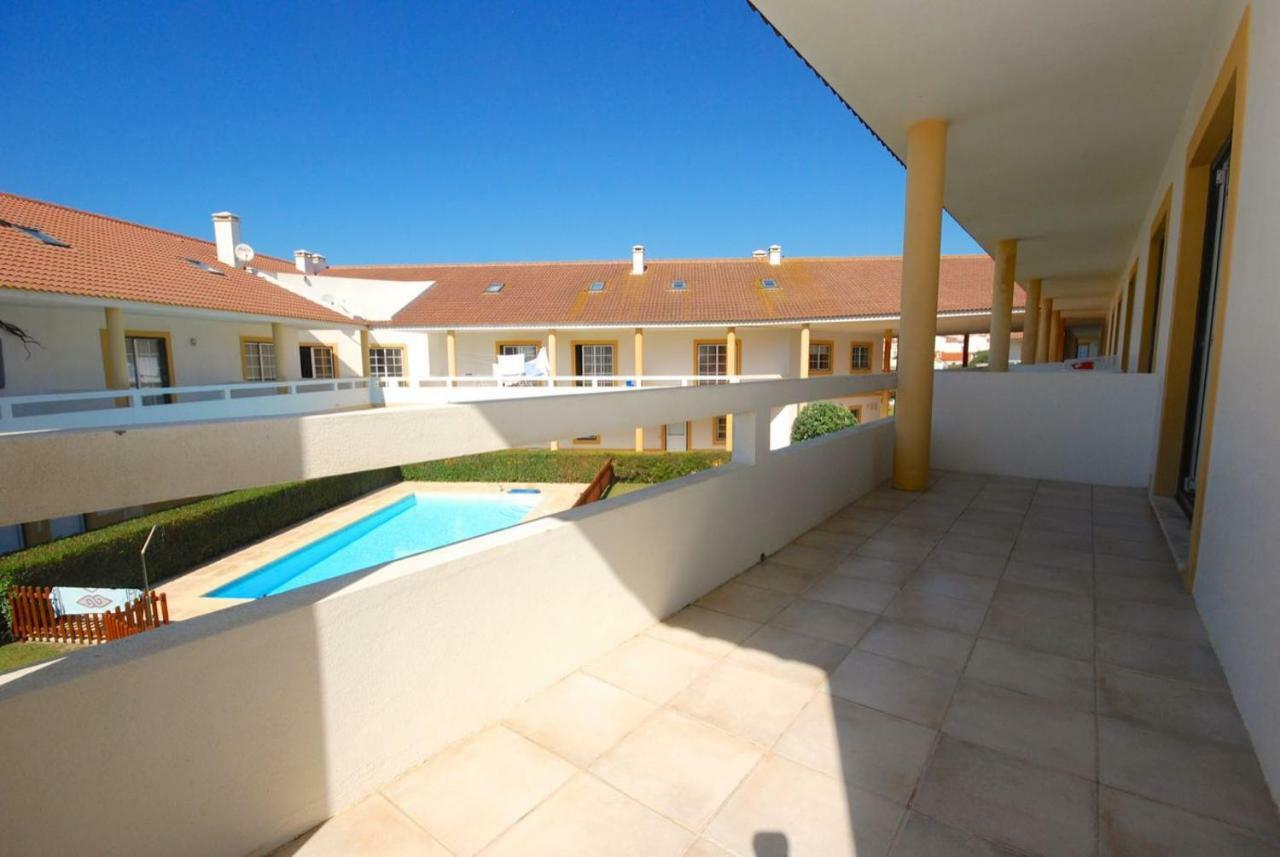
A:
{"points": [[995, 667]]}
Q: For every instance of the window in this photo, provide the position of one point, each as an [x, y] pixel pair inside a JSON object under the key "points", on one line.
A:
{"points": [[317, 361], [528, 350], [493, 288], [769, 284], [593, 359], [1151, 298], [597, 286], [678, 285], [196, 263], [860, 357], [386, 362], [820, 357], [720, 430], [258, 359], [148, 359], [42, 237], [713, 359], [856, 411]]}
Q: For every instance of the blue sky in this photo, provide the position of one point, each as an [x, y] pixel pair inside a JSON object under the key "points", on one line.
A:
{"points": [[448, 131]]}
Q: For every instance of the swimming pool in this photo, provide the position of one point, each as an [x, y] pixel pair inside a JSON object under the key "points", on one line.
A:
{"points": [[413, 524]]}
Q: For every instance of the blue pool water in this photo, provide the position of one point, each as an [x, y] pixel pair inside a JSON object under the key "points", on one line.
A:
{"points": [[417, 523]]}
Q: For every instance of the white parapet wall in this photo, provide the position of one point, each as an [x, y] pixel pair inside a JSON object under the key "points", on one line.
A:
{"points": [[1071, 426], [233, 732]]}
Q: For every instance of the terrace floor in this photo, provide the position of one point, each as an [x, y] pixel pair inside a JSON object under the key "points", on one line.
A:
{"points": [[995, 667]]}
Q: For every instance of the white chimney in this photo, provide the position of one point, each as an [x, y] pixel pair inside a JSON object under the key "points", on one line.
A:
{"points": [[758, 255], [226, 235], [775, 255], [637, 259], [308, 262]]}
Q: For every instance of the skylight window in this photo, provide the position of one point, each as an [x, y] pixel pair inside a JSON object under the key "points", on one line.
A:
{"points": [[493, 288], [42, 237], [597, 286], [678, 285], [769, 284], [196, 263]]}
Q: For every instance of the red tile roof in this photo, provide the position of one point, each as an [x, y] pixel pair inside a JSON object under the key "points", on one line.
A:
{"points": [[717, 291], [116, 260]]}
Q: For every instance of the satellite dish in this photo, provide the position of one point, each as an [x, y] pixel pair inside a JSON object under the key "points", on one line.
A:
{"points": [[244, 252]]}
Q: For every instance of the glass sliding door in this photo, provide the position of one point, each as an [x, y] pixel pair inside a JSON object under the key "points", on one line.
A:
{"points": [[148, 358]]}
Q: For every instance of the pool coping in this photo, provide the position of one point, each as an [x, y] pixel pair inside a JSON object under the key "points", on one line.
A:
{"points": [[186, 593]]}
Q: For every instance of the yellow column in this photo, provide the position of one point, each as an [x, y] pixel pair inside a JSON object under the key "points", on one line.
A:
{"points": [[1055, 337], [804, 351], [731, 369], [1002, 304], [1042, 337], [551, 367], [117, 361], [364, 353], [885, 363], [280, 345], [639, 374], [1031, 322], [451, 353], [921, 241]]}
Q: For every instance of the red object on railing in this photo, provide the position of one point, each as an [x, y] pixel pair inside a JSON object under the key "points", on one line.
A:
{"points": [[32, 617], [603, 479]]}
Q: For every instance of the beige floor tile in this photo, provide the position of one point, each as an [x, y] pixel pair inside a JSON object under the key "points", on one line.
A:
{"points": [[862, 512], [923, 836], [894, 687], [1044, 603], [826, 621], [960, 562], [844, 525], [1047, 577], [1031, 537], [778, 577], [787, 810], [744, 701], [1193, 662], [1166, 705], [650, 668], [1156, 551], [853, 592], [896, 551], [998, 548], [706, 848], [1032, 729], [878, 570], [1067, 558], [836, 542], [1134, 567], [373, 827], [945, 651], [964, 587], [588, 818], [909, 534], [1009, 519], [1165, 589], [865, 747], [809, 558], [580, 717], [704, 630], [1063, 680], [1008, 800], [938, 611], [471, 792], [678, 766], [791, 656], [1054, 637], [745, 602], [1222, 781], [1134, 827], [1158, 620], [998, 532]]}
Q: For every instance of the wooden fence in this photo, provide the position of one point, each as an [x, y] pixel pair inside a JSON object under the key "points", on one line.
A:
{"points": [[603, 479], [32, 617]]}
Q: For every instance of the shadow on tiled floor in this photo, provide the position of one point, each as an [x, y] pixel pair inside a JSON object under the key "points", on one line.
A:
{"points": [[994, 667]]}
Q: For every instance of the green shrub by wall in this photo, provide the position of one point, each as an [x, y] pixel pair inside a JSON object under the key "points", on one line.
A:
{"points": [[189, 535], [546, 465], [819, 418]]}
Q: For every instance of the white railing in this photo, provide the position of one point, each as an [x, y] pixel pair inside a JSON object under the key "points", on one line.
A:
{"points": [[155, 405]]}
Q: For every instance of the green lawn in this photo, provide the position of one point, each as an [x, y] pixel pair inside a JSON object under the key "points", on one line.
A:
{"points": [[16, 655], [620, 488]]}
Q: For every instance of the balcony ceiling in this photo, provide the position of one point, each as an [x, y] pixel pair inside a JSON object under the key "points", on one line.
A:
{"points": [[1062, 114]]}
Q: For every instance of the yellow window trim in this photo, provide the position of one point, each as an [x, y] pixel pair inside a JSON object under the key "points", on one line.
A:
{"points": [[141, 334], [337, 368], [404, 352], [830, 345], [497, 346], [244, 363], [871, 356]]}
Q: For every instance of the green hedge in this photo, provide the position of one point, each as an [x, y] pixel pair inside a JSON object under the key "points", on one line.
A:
{"points": [[820, 418], [545, 465], [189, 536]]}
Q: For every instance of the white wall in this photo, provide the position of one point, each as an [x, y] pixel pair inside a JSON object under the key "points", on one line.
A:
{"points": [[241, 729], [1072, 426]]}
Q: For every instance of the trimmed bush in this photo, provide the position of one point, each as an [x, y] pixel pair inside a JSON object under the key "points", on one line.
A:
{"points": [[819, 418], [189, 535], [547, 465]]}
